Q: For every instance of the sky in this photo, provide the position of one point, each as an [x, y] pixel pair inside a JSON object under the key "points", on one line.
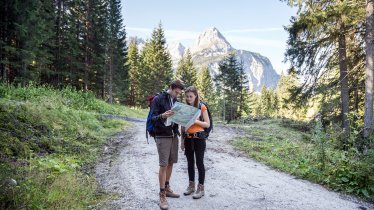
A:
{"points": [[253, 25]]}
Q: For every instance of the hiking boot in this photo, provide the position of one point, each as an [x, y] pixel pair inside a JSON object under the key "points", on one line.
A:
{"points": [[170, 193], [190, 189], [199, 192], [163, 202]]}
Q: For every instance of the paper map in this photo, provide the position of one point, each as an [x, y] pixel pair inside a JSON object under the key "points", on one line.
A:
{"points": [[184, 115]]}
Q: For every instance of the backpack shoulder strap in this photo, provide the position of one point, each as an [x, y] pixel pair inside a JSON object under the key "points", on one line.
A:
{"points": [[200, 107]]}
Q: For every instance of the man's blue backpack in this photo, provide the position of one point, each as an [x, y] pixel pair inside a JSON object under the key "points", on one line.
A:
{"points": [[149, 126]]}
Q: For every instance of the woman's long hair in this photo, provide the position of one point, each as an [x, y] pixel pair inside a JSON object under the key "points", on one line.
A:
{"points": [[193, 90]]}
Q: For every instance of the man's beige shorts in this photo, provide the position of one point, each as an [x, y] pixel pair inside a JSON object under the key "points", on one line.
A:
{"points": [[167, 148]]}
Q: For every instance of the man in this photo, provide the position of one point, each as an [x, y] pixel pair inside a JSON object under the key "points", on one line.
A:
{"points": [[166, 138]]}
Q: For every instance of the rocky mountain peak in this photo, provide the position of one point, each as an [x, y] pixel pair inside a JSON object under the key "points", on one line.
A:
{"points": [[176, 49], [209, 41]]}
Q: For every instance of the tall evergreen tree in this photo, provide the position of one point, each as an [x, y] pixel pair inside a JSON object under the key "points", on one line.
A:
{"points": [[320, 41], [369, 69], [285, 85], [156, 68], [134, 82], [68, 65], [26, 32], [186, 70], [231, 82], [100, 36], [117, 52], [64, 42], [243, 91], [206, 86]]}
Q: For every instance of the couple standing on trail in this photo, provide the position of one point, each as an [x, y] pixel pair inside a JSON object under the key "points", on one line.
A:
{"points": [[193, 141]]}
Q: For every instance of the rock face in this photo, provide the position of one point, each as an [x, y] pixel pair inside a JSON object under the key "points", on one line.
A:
{"points": [[176, 51], [211, 47], [211, 43]]}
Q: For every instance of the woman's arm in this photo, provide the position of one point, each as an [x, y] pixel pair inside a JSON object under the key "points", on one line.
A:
{"points": [[206, 122]]}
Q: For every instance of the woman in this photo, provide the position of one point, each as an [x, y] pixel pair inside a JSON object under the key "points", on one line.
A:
{"points": [[194, 144]]}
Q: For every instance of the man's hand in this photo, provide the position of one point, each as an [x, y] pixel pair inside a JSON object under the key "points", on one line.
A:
{"points": [[167, 114]]}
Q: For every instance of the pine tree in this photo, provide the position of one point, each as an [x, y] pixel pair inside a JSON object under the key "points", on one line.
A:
{"points": [[242, 91], [133, 63], [324, 37], [186, 70], [231, 82], [369, 70], [99, 47], [256, 106], [285, 85], [265, 102], [26, 31], [117, 53], [68, 60], [207, 91], [64, 42], [205, 86], [75, 45], [156, 68]]}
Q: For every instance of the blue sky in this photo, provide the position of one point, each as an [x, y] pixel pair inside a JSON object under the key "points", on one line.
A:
{"points": [[253, 25]]}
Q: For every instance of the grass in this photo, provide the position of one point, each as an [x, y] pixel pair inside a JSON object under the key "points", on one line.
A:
{"points": [[49, 141], [295, 152]]}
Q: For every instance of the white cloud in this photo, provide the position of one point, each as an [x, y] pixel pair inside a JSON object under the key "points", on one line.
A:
{"points": [[182, 35], [237, 41], [171, 35], [254, 30], [135, 29], [176, 35]]}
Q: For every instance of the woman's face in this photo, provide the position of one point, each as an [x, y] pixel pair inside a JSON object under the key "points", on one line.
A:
{"points": [[190, 97]]}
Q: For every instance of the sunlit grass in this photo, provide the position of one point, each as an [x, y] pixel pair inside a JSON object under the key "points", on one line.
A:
{"points": [[297, 153], [47, 137]]}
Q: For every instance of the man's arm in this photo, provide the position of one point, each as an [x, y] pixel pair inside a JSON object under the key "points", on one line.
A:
{"points": [[156, 115]]}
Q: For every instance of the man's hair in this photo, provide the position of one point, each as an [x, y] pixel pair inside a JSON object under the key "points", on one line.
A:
{"points": [[177, 84]]}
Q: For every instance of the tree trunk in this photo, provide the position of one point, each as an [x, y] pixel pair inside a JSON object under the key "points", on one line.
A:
{"points": [[369, 69], [111, 77], [59, 42], [344, 91], [103, 86], [357, 98], [87, 50]]}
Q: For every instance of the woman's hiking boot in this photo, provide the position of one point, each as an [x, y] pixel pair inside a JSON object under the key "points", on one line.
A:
{"points": [[199, 192], [170, 193], [190, 189], [163, 202]]}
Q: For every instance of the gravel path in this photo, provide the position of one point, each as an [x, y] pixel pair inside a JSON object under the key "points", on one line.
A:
{"points": [[129, 171]]}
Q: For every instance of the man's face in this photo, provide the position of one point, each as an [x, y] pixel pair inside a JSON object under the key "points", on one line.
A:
{"points": [[175, 92]]}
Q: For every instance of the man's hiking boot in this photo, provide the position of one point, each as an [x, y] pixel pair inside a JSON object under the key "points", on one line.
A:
{"points": [[190, 189], [170, 193], [199, 192], [163, 201]]}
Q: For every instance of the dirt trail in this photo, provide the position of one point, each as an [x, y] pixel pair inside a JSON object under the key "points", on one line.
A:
{"points": [[129, 169]]}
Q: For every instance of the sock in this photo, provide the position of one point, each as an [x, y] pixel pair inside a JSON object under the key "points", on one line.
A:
{"points": [[166, 183], [162, 190]]}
